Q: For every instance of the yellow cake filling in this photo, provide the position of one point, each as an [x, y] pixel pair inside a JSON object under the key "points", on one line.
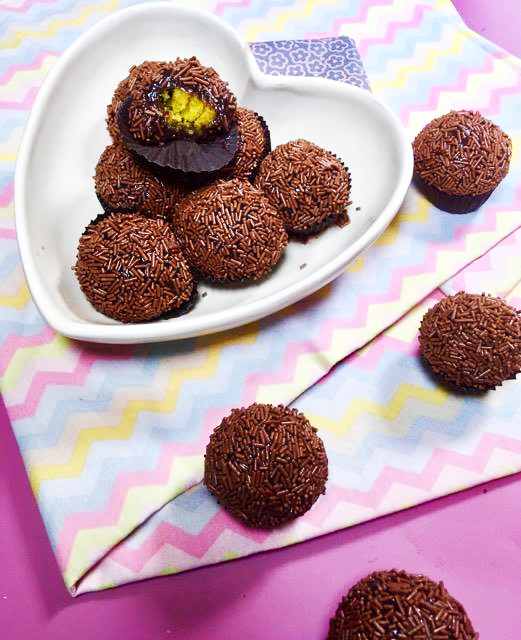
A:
{"points": [[182, 109]]}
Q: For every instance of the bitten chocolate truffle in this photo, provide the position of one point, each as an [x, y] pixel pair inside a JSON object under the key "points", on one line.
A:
{"points": [[396, 604], [230, 232], [459, 159], [472, 341], [131, 268], [266, 465], [179, 115], [123, 182], [309, 186]]}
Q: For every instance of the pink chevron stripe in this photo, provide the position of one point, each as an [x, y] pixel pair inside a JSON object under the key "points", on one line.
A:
{"points": [[497, 94], [29, 66], [194, 545], [6, 196], [424, 480], [88, 356], [24, 105], [221, 6], [13, 343], [44, 379], [361, 18], [110, 514], [7, 234], [393, 28], [460, 85], [25, 6], [198, 545]]}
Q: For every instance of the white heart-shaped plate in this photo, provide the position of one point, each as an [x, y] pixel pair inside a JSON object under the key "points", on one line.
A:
{"points": [[66, 133]]}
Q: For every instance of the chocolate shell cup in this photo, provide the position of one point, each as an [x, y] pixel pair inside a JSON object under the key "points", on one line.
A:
{"points": [[459, 160], [184, 155]]}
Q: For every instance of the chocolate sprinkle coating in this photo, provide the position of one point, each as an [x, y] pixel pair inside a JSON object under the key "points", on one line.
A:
{"points": [[230, 232], [308, 185], [136, 73], [254, 144], [124, 182], [459, 159], [146, 116], [472, 341], [398, 605], [131, 268], [266, 465]]}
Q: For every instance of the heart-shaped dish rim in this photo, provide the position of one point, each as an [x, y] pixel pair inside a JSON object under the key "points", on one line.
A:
{"points": [[189, 326]]}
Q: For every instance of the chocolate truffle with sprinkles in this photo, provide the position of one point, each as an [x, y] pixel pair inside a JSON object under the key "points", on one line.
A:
{"points": [[131, 268], [230, 232], [265, 465], [123, 182], [395, 604], [471, 341], [459, 159], [308, 185], [180, 115], [253, 145]]}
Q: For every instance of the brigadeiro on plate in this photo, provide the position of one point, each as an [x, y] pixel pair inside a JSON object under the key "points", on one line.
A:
{"points": [[124, 182], [131, 268], [230, 232], [308, 185], [265, 465], [459, 159], [472, 341], [254, 144], [180, 115], [395, 604]]}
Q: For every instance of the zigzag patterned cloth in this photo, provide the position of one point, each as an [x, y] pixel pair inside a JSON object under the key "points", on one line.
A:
{"points": [[112, 437]]}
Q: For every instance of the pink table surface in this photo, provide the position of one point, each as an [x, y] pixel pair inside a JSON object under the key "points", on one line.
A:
{"points": [[290, 593]]}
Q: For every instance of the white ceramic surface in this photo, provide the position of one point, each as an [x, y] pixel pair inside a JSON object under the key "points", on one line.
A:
{"points": [[66, 133]]}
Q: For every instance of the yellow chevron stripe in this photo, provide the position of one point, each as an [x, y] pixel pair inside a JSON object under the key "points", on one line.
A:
{"points": [[57, 25], [29, 77], [125, 428], [26, 356], [9, 148], [19, 300], [357, 265], [420, 215], [93, 543], [390, 411], [282, 19]]}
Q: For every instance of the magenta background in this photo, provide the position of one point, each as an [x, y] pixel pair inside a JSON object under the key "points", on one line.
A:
{"points": [[471, 541]]}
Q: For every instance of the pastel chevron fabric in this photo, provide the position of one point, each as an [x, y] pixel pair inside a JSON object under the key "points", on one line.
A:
{"points": [[113, 436]]}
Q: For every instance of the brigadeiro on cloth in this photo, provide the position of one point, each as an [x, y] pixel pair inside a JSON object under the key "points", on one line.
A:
{"points": [[472, 341], [179, 115], [230, 232], [265, 465], [308, 185], [459, 159], [123, 182], [395, 604], [131, 268]]}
